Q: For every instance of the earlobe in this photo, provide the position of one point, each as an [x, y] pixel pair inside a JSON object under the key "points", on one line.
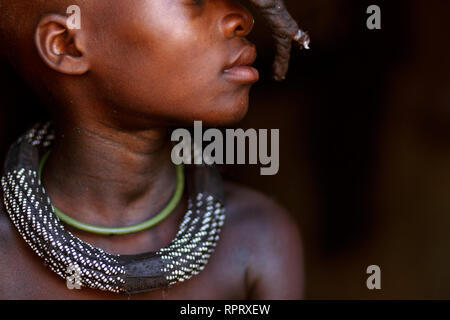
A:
{"points": [[58, 47]]}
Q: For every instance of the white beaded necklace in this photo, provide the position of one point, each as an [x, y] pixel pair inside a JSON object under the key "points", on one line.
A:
{"points": [[30, 210]]}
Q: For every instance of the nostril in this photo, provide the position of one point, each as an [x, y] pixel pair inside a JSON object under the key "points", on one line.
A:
{"points": [[236, 24]]}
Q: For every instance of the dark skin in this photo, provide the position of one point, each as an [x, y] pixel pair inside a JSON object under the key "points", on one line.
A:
{"points": [[117, 84]]}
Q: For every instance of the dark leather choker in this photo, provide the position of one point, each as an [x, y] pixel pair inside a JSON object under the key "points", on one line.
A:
{"points": [[30, 210]]}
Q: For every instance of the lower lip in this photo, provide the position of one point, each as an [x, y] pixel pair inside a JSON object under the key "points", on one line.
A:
{"points": [[242, 74]]}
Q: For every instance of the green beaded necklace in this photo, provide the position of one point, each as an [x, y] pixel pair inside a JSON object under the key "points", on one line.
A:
{"points": [[174, 201]]}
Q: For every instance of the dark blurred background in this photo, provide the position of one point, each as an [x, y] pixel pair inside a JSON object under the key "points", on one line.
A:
{"points": [[364, 120]]}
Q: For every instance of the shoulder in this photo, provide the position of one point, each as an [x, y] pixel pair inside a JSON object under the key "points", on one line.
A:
{"points": [[256, 210], [272, 237]]}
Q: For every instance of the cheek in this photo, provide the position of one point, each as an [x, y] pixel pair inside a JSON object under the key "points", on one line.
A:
{"points": [[171, 72], [178, 87], [196, 88]]}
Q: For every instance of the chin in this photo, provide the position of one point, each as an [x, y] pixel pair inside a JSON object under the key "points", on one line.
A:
{"points": [[228, 114]]}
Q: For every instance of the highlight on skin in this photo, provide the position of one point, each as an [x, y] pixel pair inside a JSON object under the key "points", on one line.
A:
{"points": [[284, 28]]}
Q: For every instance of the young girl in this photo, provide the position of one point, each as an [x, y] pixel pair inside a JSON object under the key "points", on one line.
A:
{"points": [[129, 222]]}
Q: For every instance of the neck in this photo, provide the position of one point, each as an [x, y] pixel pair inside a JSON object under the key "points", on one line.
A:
{"points": [[107, 176]]}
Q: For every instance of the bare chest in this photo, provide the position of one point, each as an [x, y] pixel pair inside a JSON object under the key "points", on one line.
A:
{"points": [[23, 275]]}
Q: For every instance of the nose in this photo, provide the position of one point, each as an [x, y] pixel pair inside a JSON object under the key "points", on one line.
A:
{"points": [[237, 21]]}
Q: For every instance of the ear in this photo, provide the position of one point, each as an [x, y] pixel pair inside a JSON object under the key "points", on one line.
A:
{"points": [[59, 46]]}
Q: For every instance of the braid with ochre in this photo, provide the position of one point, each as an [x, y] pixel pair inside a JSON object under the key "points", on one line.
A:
{"points": [[285, 30]]}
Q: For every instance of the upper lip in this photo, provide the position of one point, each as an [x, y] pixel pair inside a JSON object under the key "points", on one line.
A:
{"points": [[246, 57]]}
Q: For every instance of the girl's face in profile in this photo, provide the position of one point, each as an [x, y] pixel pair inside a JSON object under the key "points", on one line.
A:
{"points": [[170, 59]]}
